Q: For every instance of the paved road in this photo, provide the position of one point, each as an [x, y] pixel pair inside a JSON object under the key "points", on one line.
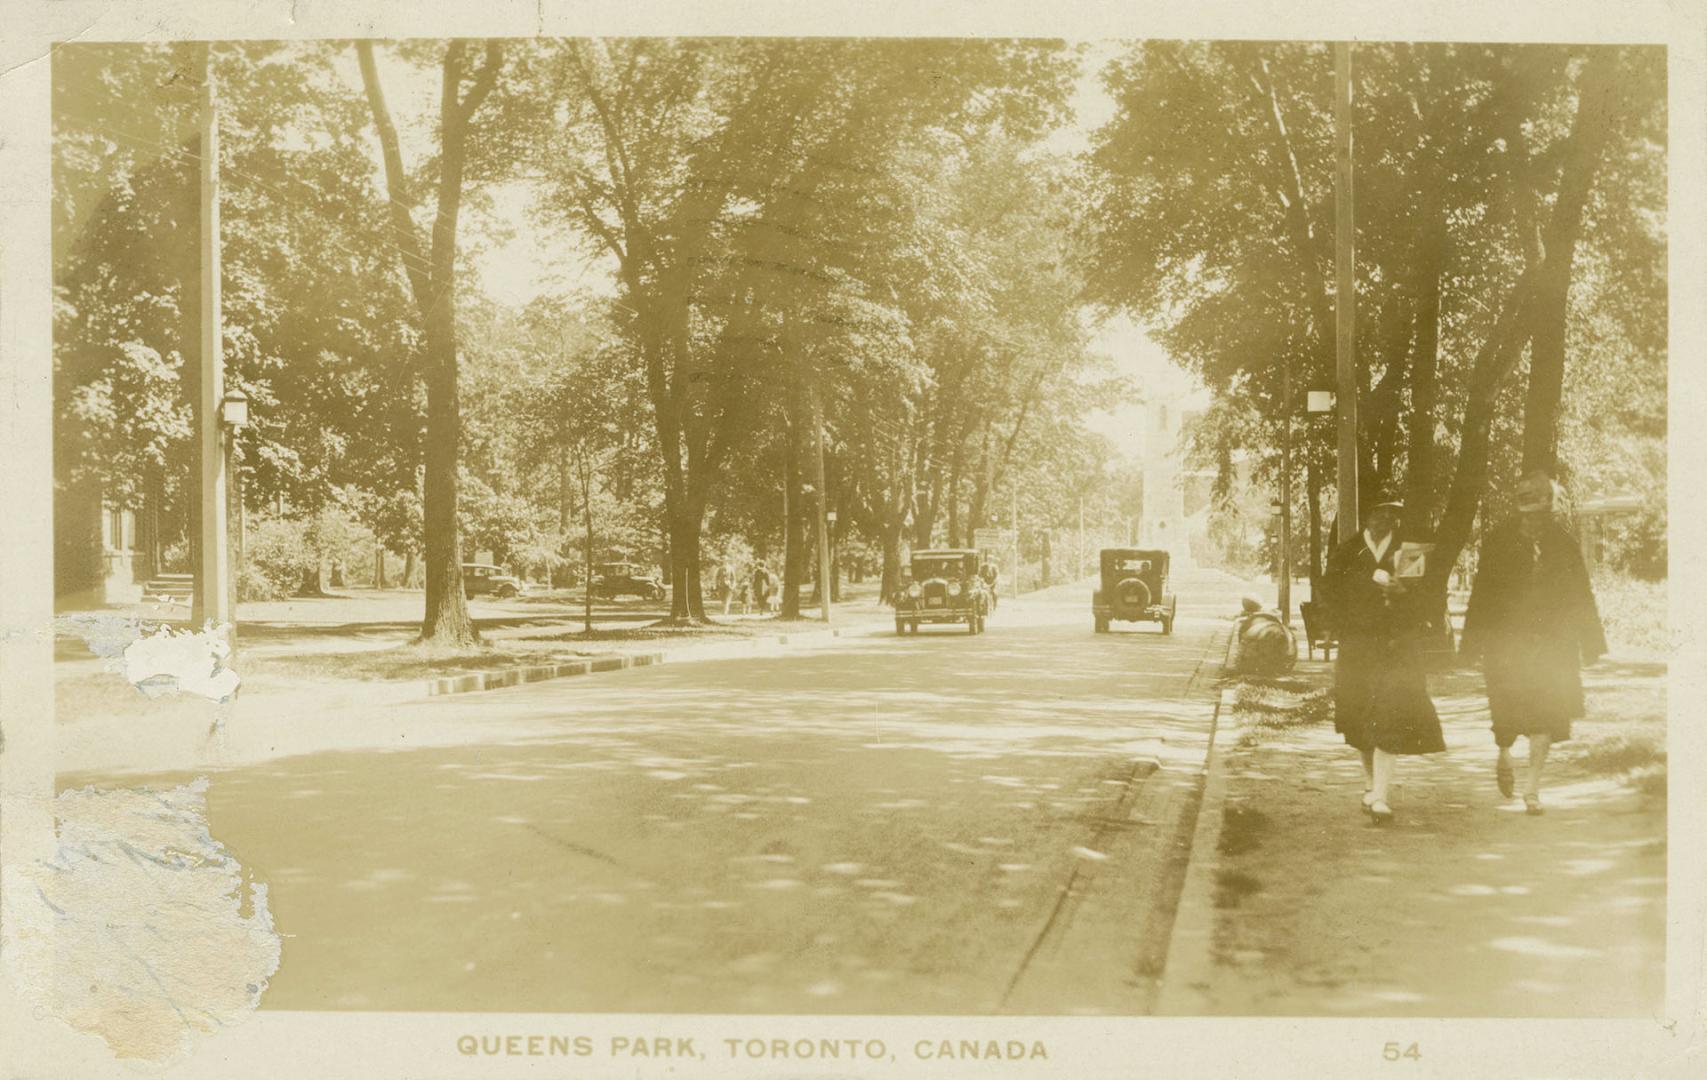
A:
{"points": [[934, 824]]}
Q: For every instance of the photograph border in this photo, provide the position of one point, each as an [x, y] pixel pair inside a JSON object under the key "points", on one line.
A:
{"points": [[416, 1045]]}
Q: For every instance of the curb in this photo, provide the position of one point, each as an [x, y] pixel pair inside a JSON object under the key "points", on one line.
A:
{"points": [[475, 682], [1189, 958]]}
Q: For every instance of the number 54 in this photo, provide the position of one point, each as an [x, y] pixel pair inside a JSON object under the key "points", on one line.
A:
{"points": [[1392, 1052]]}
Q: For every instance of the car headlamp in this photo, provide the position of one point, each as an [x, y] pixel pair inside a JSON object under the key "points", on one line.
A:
{"points": [[913, 591], [960, 588]]}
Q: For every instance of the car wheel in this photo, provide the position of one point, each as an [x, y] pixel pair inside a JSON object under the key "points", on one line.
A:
{"points": [[1167, 624], [506, 592], [901, 627], [1102, 626]]}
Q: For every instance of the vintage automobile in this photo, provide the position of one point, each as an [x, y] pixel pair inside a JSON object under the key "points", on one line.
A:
{"points": [[611, 580], [1134, 589], [944, 586], [484, 579]]}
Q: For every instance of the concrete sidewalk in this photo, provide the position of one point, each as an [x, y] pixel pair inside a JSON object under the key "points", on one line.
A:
{"points": [[1464, 906]]}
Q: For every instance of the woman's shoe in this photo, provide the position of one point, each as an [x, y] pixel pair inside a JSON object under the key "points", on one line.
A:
{"points": [[1507, 778], [1380, 812], [1532, 805], [1368, 800]]}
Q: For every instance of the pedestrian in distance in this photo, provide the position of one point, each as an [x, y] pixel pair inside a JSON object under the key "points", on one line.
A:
{"points": [[762, 588], [1533, 623], [725, 589], [1381, 702]]}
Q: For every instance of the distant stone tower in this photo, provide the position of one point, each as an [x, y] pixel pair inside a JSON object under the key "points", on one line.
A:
{"points": [[1163, 524]]}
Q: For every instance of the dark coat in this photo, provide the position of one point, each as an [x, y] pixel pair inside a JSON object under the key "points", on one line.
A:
{"points": [[1533, 621], [1380, 683]]}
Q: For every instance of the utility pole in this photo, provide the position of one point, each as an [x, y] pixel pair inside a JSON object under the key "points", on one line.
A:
{"points": [[1014, 541], [586, 468], [1285, 597], [1345, 295], [819, 495], [213, 587], [1081, 538]]}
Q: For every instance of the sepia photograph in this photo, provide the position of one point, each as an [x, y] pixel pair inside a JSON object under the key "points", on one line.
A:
{"points": [[785, 554]]}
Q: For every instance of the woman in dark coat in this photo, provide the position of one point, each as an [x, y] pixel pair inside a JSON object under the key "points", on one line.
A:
{"points": [[1533, 621], [1381, 702]]}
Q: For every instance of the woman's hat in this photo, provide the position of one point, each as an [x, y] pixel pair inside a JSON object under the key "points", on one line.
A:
{"points": [[1537, 492], [1386, 499]]}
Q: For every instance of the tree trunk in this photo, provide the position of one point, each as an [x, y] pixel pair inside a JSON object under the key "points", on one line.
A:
{"points": [[1498, 355], [793, 539], [814, 573], [1313, 491], [1535, 310], [310, 583], [1425, 367], [565, 491], [446, 621], [433, 283], [1589, 134], [892, 530], [379, 567], [408, 580]]}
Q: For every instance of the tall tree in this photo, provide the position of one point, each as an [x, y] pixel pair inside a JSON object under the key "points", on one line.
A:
{"points": [[658, 149], [432, 279], [1463, 152]]}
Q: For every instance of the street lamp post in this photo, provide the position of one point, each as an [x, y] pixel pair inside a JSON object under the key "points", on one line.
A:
{"points": [[1284, 596], [825, 571], [234, 417]]}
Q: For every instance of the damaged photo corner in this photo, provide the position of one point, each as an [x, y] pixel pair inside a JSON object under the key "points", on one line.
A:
{"points": [[775, 541]]}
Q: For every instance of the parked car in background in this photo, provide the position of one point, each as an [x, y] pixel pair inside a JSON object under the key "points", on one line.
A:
{"points": [[1133, 589], [945, 586], [611, 580], [484, 579]]}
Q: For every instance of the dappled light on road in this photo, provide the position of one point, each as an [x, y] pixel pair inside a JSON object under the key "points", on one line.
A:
{"points": [[880, 827]]}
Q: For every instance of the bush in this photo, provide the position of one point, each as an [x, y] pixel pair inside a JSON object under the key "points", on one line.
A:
{"points": [[1634, 613], [275, 558], [252, 584], [281, 552]]}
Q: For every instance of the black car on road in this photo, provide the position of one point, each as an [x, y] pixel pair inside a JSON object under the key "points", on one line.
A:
{"points": [[944, 586], [1133, 589]]}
